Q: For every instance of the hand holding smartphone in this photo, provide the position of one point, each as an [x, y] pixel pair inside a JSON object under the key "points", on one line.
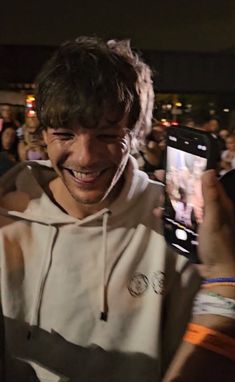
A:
{"points": [[189, 153]]}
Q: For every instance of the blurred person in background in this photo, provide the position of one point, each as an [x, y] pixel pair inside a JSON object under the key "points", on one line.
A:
{"points": [[212, 125], [8, 116], [8, 148], [152, 154], [223, 135], [189, 122], [31, 146], [227, 162]]}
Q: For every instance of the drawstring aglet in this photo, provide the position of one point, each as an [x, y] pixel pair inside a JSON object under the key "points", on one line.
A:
{"points": [[104, 316]]}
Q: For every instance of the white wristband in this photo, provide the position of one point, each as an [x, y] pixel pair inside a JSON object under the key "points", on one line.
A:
{"points": [[212, 303]]}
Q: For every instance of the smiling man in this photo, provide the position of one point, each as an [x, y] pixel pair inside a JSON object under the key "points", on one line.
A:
{"points": [[89, 162], [89, 289]]}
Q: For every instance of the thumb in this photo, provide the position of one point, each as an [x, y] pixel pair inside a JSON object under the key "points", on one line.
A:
{"points": [[216, 203]]}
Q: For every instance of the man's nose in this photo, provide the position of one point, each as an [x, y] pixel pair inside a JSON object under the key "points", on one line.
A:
{"points": [[85, 150]]}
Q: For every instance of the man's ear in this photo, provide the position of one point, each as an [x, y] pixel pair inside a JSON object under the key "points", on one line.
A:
{"points": [[44, 136], [134, 143]]}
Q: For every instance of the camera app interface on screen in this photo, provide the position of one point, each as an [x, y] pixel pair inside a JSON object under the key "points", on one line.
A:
{"points": [[183, 186]]}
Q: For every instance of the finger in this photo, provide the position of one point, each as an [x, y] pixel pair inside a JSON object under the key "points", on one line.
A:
{"points": [[216, 202], [203, 270], [211, 197]]}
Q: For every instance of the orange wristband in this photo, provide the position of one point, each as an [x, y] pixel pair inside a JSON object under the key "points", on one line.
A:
{"points": [[211, 340]]}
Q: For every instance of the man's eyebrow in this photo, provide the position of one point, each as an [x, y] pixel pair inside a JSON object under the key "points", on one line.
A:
{"points": [[60, 127], [112, 122]]}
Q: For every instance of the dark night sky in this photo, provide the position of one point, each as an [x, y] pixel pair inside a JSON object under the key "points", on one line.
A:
{"points": [[185, 25]]}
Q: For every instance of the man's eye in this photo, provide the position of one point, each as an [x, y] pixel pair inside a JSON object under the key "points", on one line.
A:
{"points": [[63, 136]]}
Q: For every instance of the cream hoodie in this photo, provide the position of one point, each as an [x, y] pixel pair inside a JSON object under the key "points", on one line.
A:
{"points": [[97, 299]]}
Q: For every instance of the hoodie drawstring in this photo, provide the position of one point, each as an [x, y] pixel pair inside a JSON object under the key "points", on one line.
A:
{"points": [[103, 258], [46, 264], [45, 268]]}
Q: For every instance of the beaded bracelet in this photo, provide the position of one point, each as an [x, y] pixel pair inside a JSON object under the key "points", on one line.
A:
{"points": [[210, 339], [213, 303], [219, 280]]}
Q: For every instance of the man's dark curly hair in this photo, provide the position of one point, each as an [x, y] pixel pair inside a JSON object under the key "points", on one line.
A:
{"points": [[88, 77]]}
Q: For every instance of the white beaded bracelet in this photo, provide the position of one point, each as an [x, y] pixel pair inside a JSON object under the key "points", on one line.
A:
{"points": [[213, 303]]}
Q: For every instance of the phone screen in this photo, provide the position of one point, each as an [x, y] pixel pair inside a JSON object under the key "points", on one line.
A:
{"points": [[183, 186], [186, 160]]}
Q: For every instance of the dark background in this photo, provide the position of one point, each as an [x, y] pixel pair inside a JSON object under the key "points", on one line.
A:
{"points": [[189, 44], [182, 25]]}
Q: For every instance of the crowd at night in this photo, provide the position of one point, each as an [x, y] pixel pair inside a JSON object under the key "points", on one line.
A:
{"points": [[117, 203], [21, 140]]}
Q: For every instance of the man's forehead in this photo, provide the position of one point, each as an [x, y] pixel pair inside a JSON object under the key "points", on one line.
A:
{"points": [[114, 113], [107, 120]]}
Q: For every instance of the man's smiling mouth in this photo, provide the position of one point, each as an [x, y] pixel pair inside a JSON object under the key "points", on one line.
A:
{"points": [[85, 176]]}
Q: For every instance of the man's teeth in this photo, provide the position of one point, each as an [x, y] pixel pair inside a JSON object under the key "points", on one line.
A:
{"points": [[85, 175]]}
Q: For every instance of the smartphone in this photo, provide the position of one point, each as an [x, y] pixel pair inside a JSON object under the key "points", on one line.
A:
{"points": [[189, 153]]}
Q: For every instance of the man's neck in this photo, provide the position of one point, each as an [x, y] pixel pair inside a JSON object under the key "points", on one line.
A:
{"points": [[60, 195]]}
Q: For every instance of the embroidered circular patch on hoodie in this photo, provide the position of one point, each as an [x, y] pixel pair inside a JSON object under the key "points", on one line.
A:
{"points": [[138, 284], [158, 282]]}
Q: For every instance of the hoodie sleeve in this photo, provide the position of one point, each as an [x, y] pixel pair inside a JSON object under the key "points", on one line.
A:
{"points": [[8, 180]]}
